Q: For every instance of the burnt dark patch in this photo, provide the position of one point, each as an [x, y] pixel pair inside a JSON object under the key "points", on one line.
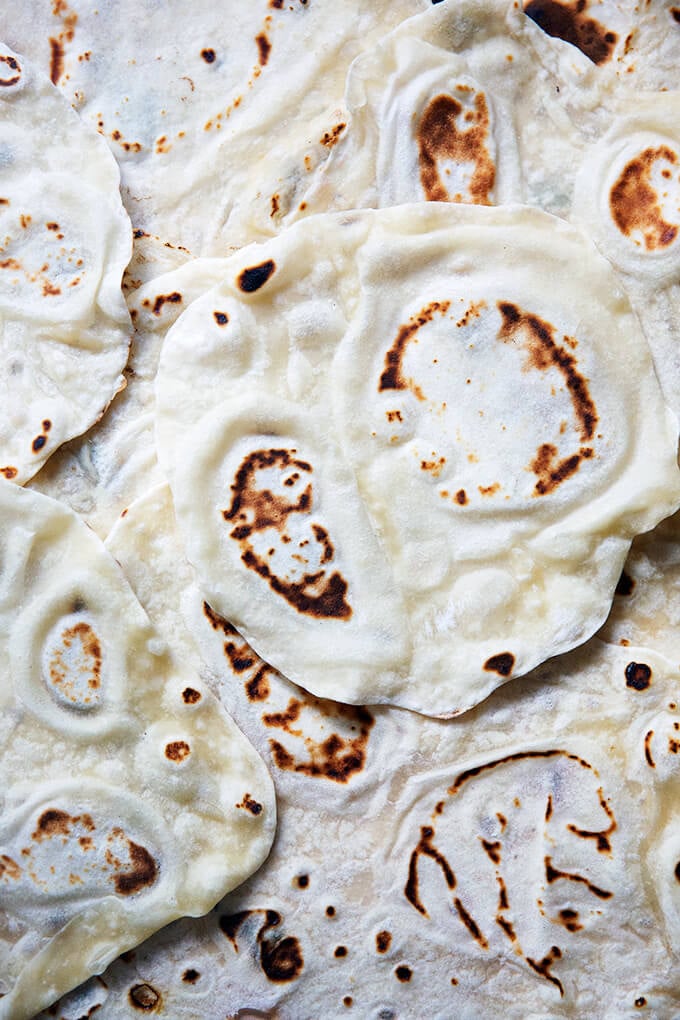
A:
{"points": [[143, 871], [516, 756], [403, 973], [553, 874], [426, 849], [52, 822], [264, 48], [281, 958], [570, 919], [14, 74], [209, 56], [38, 443], [332, 137], [336, 758], [339, 952], [675, 14], [601, 837], [255, 277], [470, 923], [9, 472], [144, 998], [302, 881], [190, 976], [492, 849], [634, 202], [441, 138], [177, 750], [162, 299], [502, 664], [383, 941], [251, 805], [648, 749], [330, 911], [638, 676], [571, 23], [543, 966], [190, 696], [392, 377], [56, 60], [221, 318], [677, 872], [625, 585]]}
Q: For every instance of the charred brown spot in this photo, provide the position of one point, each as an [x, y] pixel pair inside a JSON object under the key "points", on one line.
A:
{"points": [[403, 973], [625, 584], [249, 804], [502, 664], [383, 941], [190, 696], [648, 749], [677, 872], [492, 850], [675, 13], [252, 279], [425, 848], [330, 911], [571, 23], [601, 837], [553, 874], [9, 868], [177, 750], [56, 60], [11, 79], [9, 472], [264, 48], [634, 203], [506, 927], [336, 758], [38, 443], [392, 378], [52, 823], [221, 318], [255, 509], [143, 871], [208, 55], [470, 924], [174, 299], [258, 689], [441, 138], [543, 966], [347, 1001], [331, 138], [275, 205], [280, 957], [570, 919], [549, 808], [340, 952], [638, 676], [516, 756], [190, 976], [302, 881], [145, 998]]}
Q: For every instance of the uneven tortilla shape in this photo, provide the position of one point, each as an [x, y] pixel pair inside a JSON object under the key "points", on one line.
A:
{"points": [[65, 330], [211, 111], [129, 797], [493, 859], [405, 459]]}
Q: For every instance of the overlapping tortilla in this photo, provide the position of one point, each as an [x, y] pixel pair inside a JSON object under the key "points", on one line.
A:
{"points": [[405, 456], [64, 242], [129, 797], [456, 866]]}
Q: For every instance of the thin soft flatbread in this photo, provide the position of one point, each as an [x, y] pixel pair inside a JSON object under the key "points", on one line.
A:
{"points": [[406, 467], [129, 797]]}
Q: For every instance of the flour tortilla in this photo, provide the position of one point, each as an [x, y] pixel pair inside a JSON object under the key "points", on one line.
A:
{"points": [[543, 804], [66, 240], [210, 109], [342, 474], [129, 797]]}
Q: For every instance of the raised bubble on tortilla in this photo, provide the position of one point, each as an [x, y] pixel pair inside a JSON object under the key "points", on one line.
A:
{"points": [[129, 797], [65, 240], [405, 455]]}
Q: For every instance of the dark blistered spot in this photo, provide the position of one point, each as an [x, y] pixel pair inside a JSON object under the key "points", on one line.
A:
{"points": [[648, 749], [38, 443], [441, 136], [254, 509], [52, 823], [502, 664], [174, 299], [340, 951], [9, 472], [330, 911], [625, 585], [276, 5], [139, 233], [252, 279], [348, 1001], [47, 424], [280, 957], [543, 966], [221, 318], [177, 750], [675, 13], [553, 874], [143, 871], [492, 849], [190, 976], [634, 203], [302, 881], [331, 138], [570, 919], [392, 377], [571, 23], [145, 998], [638, 676], [516, 756], [13, 74], [404, 973], [56, 60], [264, 48], [208, 55], [383, 941], [190, 696], [253, 806], [425, 848]]}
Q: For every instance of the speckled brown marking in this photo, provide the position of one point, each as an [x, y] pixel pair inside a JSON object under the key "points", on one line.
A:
{"points": [[92, 655], [638, 676], [52, 822], [489, 490], [11, 78], [625, 584], [9, 868], [143, 873], [249, 804], [403, 973], [190, 696], [570, 919], [543, 966], [425, 847], [336, 758], [648, 749], [492, 849], [571, 23], [470, 924], [440, 138], [256, 276], [9, 472], [332, 137], [177, 750], [634, 203], [221, 318], [516, 756], [145, 998], [264, 48], [281, 959], [383, 941], [190, 976], [503, 664], [601, 837], [208, 55], [256, 509], [552, 874], [392, 378]]}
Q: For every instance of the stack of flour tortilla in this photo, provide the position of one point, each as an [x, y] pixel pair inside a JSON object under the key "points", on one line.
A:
{"points": [[339, 541]]}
